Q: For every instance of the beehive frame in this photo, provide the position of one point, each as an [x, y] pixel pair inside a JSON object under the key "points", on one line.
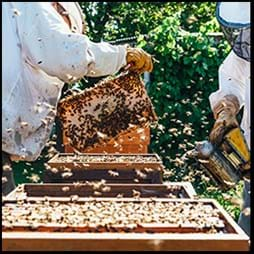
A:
{"points": [[235, 240], [54, 162]]}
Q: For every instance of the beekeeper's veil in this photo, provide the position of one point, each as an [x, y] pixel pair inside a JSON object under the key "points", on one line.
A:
{"points": [[234, 18]]}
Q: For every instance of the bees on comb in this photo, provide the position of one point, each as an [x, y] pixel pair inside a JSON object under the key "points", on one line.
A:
{"points": [[126, 92], [117, 214]]}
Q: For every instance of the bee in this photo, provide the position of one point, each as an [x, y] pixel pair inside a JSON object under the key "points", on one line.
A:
{"points": [[140, 174], [52, 150], [7, 167], [170, 195], [65, 188], [97, 193], [23, 124], [167, 173], [4, 179], [76, 164], [211, 188], [74, 198], [16, 12], [140, 130], [9, 130], [132, 125], [113, 173], [143, 137], [246, 211], [66, 174], [173, 130], [136, 194], [44, 122], [66, 169], [54, 170], [34, 178], [77, 184], [106, 189], [205, 178]]}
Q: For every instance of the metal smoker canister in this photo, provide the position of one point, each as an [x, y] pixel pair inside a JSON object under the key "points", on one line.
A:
{"points": [[218, 167]]}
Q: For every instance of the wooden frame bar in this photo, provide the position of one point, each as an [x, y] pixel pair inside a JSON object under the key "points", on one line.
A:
{"points": [[55, 163], [27, 241], [123, 176], [34, 191]]}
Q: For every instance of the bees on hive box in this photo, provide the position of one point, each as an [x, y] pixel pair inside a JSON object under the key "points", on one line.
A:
{"points": [[108, 214]]}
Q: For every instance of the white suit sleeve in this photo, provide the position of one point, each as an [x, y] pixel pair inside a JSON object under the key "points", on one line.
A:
{"points": [[233, 73], [49, 44]]}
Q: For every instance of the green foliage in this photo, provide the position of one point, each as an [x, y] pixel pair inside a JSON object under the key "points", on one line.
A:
{"points": [[114, 20], [185, 74], [29, 172], [230, 200], [182, 80]]}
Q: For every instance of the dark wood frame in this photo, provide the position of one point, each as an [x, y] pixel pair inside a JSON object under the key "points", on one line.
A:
{"points": [[54, 190]]}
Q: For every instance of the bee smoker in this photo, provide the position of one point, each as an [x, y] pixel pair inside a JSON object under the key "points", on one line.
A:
{"points": [[226, 164]]}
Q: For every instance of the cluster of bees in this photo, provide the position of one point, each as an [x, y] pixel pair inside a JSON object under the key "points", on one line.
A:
{"points": [[83, 158], [101, 113], [113, 214]]}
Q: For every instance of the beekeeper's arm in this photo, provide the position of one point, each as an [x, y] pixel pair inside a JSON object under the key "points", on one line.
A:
{"points": [[49, 44], [227, 101]]}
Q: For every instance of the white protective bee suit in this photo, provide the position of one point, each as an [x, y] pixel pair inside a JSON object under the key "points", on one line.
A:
{"points": [[40, 54], [234, 79]]}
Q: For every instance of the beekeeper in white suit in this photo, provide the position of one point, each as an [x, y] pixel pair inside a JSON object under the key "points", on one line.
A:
{"points": [[43, 47], [234, 84]]}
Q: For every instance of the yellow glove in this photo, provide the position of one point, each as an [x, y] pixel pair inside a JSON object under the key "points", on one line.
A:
{"points": [[225, 115], [139, 60]]}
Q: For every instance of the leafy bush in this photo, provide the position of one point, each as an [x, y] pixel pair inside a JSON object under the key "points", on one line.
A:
{"points": [[183, 78], [185, 74]]}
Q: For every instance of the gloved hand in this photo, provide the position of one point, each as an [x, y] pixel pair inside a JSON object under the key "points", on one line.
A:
{"points": [[139, 60], [225, 115]]}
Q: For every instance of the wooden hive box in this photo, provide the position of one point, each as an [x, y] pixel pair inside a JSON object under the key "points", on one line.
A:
{"points": [[136, 141], [165, 236], [114, 168], [55, 190]]}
